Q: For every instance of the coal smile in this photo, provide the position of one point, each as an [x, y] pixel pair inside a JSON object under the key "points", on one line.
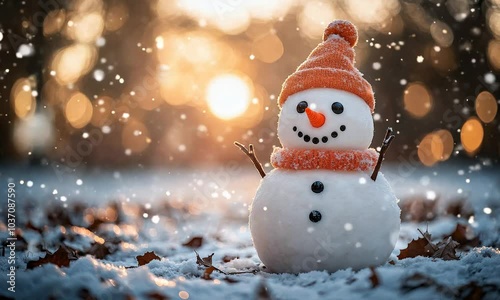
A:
{"points": [[315, 140]]}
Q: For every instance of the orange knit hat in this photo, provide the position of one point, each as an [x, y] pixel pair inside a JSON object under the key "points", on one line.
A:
{"points": [[331, 65]]}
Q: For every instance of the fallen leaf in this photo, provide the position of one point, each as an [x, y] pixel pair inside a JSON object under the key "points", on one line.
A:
{"points": [[85, 294], [99, 251], [230, 280], [374, 278], [195, 242], [228, 258], [156, 296], [425, 247], [205, 261], [418, 209], [463, 235], [262, 292], [146, 258], [60, 258], [460, 208], [446, 250], [419, 280], [418, 247], [208, 272]]}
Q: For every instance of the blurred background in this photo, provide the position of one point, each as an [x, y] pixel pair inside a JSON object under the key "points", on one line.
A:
{"points": [[118, 117], [124, 83]]}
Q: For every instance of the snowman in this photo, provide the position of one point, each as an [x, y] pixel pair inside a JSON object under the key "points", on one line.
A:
{"points": [[325, 206]]}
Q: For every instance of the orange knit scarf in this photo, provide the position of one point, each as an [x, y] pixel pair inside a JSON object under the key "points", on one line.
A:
{"points": [[335, 160]]}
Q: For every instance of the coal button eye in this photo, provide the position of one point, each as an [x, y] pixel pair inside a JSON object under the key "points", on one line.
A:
{"points": [[301, 107], [315, 216], [337, 108], [317, 187]]}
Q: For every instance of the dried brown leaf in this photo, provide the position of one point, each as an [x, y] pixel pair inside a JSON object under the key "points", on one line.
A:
{"points": [[230, 280], [208, 272], [418, 209], [60, 258], [228, 258], [195, 242], [418, 247], [459, 208], [262, 292], [99, 251], [157, 296], [205, 261], [146, 258], [446, 250], [374, 279], [462, 234]]}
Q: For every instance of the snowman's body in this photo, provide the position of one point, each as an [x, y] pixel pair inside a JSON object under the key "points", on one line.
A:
{"points": [[359, 222], [319, 209], [355, 220]]}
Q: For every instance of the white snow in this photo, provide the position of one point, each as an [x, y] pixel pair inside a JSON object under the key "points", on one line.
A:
{"points": [[223, 224]]}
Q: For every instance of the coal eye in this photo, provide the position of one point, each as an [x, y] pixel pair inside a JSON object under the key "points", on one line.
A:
{"points": [[301, 107], [337, 108]]}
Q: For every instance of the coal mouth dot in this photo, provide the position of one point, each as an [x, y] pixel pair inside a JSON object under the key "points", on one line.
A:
{"points": [[315, 140]]}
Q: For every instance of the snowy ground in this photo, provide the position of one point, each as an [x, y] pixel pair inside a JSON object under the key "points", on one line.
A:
{"points": [[133, 212]]}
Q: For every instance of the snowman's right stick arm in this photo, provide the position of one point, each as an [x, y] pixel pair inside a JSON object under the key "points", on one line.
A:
{"points": [[251, 154]]}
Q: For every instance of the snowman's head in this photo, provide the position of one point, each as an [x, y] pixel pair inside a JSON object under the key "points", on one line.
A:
{"points": [[326, 103], [325, 118]]}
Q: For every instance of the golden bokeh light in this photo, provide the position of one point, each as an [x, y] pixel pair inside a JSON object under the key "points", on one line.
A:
{"points": [[430, 149], [493, 17], [116, 16], [441, 33], [54, 22], [448, 144], [486, 106], [314, 17], [372, 12], [268, 9], [228, 96], [268, 48], [72, 62], [33, 133], [435, 146], [135, 136], [494, 53], [78, 110], [471, 135], [22, 98], [417, 100], [85, 28]]}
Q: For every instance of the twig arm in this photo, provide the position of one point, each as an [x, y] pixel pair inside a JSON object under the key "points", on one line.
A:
{"points": [[251, 154], [389, 136]]}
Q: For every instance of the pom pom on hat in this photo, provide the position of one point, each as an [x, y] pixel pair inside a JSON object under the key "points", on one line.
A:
{"points": [[344, 29], [331, 65]]}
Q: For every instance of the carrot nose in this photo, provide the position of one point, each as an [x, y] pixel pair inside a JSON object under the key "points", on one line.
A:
{"points": [[315, 118]]}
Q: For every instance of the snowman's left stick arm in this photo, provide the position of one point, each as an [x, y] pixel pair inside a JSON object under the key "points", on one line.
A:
{"points": [[251, 154], [389, 136]]}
